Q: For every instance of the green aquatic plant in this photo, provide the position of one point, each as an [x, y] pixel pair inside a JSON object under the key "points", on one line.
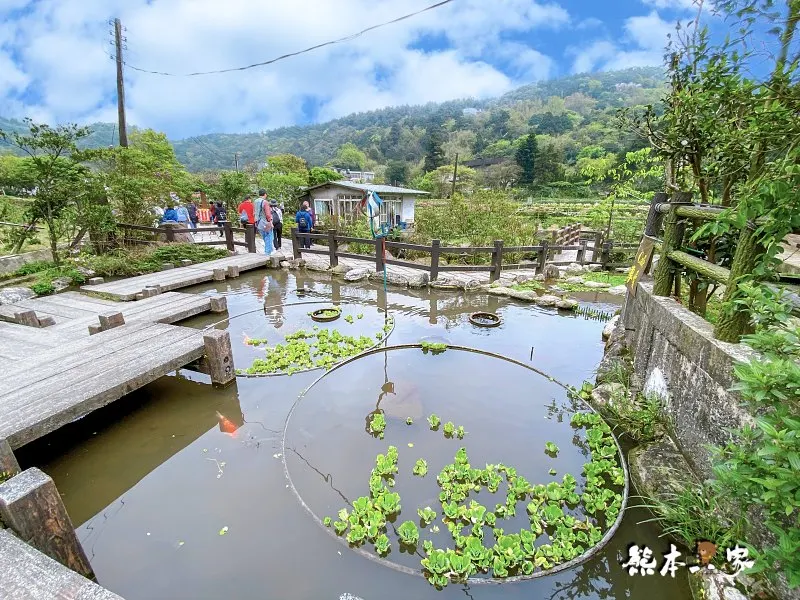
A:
{"points": [[382, 545], [409, 421], [426, 515], [360, 316], [255, 341], [551, 448], [433, 347], [408, 532], [460, 433], [421, 467], [349, 319], [377, 424], [449, 429], [434, 421], [327, 521]]}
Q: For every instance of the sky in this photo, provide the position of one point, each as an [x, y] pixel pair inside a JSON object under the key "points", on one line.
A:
{"points": [[56, 56]]}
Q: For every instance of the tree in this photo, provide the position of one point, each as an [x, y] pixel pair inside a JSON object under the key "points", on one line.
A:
{"points": [[320, 175], [230, 188], [498, 122], [397, 172], [350, 157], [549, 164], [500, 177], [439, 183], [55, 170], [434, 148], [143, 175], [550, 124], [526, 159], [283, 164], [16, 175]]}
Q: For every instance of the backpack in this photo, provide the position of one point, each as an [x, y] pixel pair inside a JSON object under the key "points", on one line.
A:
{"points": [[263, 224], [302, 221], [222, 214], [243, 217], [276, 217]]}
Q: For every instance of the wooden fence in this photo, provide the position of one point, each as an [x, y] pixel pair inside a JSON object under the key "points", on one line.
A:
{"points": [[672, 215], [170, 233], [544, 251]]}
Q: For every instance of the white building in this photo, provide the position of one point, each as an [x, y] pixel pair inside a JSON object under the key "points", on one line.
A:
{"points": [[357, 176], [340, 200]]}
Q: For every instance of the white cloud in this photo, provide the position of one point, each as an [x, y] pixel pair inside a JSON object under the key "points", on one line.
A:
{"points": [[62, 72], [643, 45], [671, 4]]}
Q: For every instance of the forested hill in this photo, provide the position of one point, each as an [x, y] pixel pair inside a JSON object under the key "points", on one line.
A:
{"points": [[398, 133], [577, 112]]}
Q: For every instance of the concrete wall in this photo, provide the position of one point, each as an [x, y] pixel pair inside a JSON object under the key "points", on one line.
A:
{"points": [[677, 358], [11, 263]]}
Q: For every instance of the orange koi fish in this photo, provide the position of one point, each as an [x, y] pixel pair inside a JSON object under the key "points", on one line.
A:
{"points": [[226, 425]]}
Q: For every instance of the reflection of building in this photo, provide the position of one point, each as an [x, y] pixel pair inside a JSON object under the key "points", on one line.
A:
{"points": [[341, 200]]}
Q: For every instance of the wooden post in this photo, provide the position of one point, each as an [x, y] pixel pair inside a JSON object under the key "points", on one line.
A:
{"points": [[8, 462], [219, 356], [664, 276], [581, 253], [735, 321], [497, 261], [123, 127], [605, 255], [295, 243], [31, 507], [543, 257], [228, 230], [250, 237], [379, 265], [333, 247], [435, 248], [170, 234], [654, 217], [598, 242]]}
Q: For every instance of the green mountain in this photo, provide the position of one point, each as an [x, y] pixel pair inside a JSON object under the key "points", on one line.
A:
{"points": [[576, 112]]}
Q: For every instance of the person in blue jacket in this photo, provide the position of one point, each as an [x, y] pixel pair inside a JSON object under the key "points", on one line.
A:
{"points": [[305, 222], [170, 215]]}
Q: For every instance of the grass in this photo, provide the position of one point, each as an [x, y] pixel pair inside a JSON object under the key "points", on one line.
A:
{"points": [[529, 286], [612, 279], [117, 263]]}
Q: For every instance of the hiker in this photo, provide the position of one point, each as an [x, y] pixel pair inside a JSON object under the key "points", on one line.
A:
{"points": [[305, 221], [219, 215], [170, 215], [245, 210], [193, 218], [277, 223], [183, 215], [263, 221]]}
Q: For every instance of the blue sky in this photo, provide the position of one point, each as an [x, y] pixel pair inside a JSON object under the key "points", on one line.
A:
{"points": [[55, 64]]}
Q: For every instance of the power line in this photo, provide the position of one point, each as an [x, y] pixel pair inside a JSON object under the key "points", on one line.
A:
{"points": [[290, 55]]}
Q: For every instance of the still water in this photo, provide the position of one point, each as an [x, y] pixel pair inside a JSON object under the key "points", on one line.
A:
{"points": [[168, 506]]}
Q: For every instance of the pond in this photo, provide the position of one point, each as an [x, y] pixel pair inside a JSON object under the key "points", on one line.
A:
{"points": [[179, 490]]}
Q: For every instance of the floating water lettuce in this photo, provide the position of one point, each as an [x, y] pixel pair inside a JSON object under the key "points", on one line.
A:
{"points": [[421, 467], [426, 515], [377, 424], [434, 421], [408, 532], [551, 448]]}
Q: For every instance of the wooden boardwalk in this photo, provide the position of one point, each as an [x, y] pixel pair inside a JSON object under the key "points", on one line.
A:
{"points": [[173, 279], [70, 380], [27, 574], [73, 312]]}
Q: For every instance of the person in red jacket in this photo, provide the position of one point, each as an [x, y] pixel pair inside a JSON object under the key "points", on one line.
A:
{"points": [[245, 211]]}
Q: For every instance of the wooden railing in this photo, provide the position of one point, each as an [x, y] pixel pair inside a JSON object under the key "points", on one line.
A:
{"points": [[168, 234], [672, 215], [544, 251]]}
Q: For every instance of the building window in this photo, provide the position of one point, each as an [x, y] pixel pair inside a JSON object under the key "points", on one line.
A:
{"points": [[322, 210]]}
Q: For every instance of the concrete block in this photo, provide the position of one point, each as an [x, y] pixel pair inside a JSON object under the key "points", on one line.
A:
{"points": [[96, 281], [186, 262], [219, 304], [94, 329], [48, 321], [109, 320], [26, 317], [8, 462], [167, 266], [233, 271], [31, 506], [219, 274], [219, 356]]}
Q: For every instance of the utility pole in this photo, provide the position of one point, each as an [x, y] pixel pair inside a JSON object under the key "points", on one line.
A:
{"points": [[455, 174], [123, 129], [236, 161]]}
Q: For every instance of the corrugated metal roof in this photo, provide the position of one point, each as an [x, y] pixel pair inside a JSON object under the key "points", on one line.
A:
{"points": [[375, 187]]}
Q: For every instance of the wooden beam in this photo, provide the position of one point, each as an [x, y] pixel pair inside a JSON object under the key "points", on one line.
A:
{"points": [[700, 266]]}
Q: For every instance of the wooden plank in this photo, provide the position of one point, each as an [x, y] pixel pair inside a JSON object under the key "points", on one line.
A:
{"points": [[470, 251], [408, 265], [54, 307], [700, 266], [27, 574], [69, 355], [56, 404], [361, 257], [87, 300]]}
